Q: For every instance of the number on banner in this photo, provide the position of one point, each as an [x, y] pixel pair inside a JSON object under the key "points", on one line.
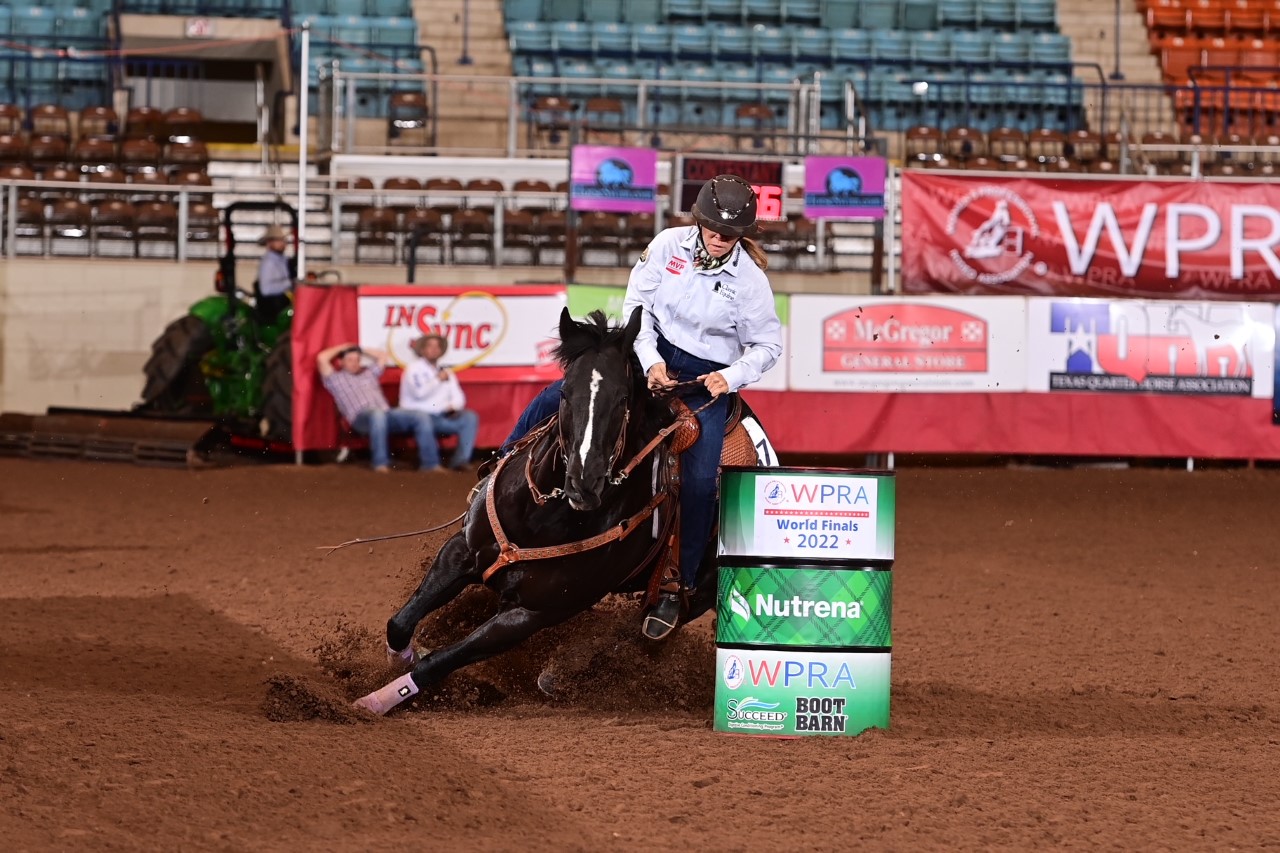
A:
{"points": [[770, 202]]}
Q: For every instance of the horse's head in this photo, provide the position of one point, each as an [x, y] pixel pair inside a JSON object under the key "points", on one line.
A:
{"points": [[599, 387]]}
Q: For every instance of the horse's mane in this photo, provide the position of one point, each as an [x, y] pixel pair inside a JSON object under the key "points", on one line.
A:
{"points": [[595, 335]]}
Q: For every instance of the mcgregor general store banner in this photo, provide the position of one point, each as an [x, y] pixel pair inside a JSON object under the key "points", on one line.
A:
{"points": [[1082, 237]]}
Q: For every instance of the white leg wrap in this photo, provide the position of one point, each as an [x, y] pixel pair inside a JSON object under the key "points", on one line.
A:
{"points": [[385, 698], [407, 658]]}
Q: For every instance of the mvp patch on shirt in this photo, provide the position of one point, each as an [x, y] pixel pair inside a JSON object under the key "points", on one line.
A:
{"points": [[675, 266]]}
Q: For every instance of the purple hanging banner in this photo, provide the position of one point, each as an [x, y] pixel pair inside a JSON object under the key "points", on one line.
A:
{"points": [[844, 187], [614, 180]]}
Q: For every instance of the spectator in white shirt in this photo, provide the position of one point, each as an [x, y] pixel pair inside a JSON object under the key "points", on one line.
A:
{"points": [[427, 386]]}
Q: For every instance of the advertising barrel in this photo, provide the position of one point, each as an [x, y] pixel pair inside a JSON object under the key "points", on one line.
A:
{"points": [[804, 601]]}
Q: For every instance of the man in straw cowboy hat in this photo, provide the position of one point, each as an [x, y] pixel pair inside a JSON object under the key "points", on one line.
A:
{"points": [[427, 386], [275, 276]]}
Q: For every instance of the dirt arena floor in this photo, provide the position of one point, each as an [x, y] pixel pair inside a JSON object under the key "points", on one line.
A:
{"points": [[1081, 658]]}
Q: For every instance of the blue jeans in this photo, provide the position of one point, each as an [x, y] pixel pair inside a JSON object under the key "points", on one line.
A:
{"points": [[377, 425], [464, 425], [700, 464]]}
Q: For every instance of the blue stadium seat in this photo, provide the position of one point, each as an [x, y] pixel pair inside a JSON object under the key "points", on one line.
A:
{"points": [[562, 10], [691, 41], [576, 71], [598, 11], [571, 38], [806, 12], [652, 40], [321, 26], [1038, 14], [811, 44], [840, 14], [850, 45], [879, 14], [762, 11], [345, 7], [5, 14], [770, 44], [1050, 48], [393, 8], [684, 10], [957, 13], [643, 11], [777, 74], [401, 32], [731, 43], [79, 24], [618, 71], [727, 11], [920, 15], [612, 39], [31, 21], [971, 47], [931, 48], [892, 45], [998, 14], [531, 37], [522, 10], [1010, 47]]}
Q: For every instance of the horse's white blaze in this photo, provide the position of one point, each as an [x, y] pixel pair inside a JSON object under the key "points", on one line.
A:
{"points": [[591, 416]]}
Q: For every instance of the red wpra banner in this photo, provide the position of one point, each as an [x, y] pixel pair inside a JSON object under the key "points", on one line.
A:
{"points": [[1082, 237]]}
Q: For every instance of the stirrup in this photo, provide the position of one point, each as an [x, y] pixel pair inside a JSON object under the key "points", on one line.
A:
{"points": [[659, 625]]}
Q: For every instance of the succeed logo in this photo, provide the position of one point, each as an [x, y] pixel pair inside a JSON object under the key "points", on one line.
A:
{"points": [[749, 709]]}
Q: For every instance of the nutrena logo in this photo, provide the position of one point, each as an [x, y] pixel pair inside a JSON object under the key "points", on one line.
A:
{"points": [[738, 605], [901, 337], [795, 606]]}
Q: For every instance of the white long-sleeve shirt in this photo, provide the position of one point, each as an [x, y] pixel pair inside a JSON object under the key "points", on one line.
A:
{"points": [[725, 315], [421, 388]]}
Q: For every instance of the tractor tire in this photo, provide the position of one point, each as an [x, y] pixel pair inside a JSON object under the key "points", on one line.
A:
{"points": [[277, 392], [174, 383]]}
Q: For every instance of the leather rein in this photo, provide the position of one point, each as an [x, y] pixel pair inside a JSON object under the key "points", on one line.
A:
{"points": [[509, 552]]}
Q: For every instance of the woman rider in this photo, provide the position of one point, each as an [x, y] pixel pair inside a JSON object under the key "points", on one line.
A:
{"points": [[709, 318]]}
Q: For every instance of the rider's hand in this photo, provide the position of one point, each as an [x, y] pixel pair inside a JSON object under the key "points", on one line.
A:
{"points": [[659, 379], [715, 383]]}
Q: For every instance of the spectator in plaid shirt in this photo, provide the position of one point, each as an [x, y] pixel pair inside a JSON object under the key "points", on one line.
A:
{"points": [[355, 388]]}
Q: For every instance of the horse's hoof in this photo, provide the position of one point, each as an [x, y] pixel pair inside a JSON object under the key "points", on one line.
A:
{"points": [[406, 659], [547, 681]]}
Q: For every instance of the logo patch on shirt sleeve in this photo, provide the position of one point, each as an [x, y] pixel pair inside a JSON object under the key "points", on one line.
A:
{"points": [[675, 266], [644, 256]]}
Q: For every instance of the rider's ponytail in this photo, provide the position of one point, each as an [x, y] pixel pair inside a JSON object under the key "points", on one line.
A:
{"points": [[756, 251]]}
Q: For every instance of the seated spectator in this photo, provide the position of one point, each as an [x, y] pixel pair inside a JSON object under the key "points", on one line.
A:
{"points": [[426, 386], [355, 388]]}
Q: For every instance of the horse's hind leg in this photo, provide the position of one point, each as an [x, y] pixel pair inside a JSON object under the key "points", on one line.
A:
{"points": [[503, 631], [452, 570]]}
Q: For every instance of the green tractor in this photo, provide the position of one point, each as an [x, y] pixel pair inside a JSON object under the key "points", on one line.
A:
{"points": [[224, 359]]}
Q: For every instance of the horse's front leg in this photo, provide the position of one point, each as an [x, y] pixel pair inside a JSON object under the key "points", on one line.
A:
{"points": [[503, 631], [453, 569]]}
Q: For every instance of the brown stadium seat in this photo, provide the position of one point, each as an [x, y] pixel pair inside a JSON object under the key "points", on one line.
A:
{"points": [[489, 189], [187, 154], [470, 229], [402, 193], [1007, 144], [30, 219], [58, 175], [143, 123], [202, 222], [51, 120], [552, 225], [638, 234], [965, 143], [194, 180], [99, 123], [91, 154], [13, 149], [599, 230], [1084, 146], [113, 220], [429, 225], [11, 118], [47, 152], [108, 175], [407, 116], [156, 222], [139, 155], [444, 194], [520, 231], [923, 144], [377, 227], [149, 187], [181, 124], [1046, 145], [68, 218], [530, 186]]}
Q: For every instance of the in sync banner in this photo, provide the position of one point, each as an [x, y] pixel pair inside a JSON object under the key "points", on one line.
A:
{"points": [[1177, 238]]}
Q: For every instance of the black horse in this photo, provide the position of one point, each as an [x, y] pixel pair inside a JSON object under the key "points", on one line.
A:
{"points": [[560, 487]]}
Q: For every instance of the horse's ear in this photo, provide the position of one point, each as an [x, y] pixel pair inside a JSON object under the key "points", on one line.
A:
{"points": [[568, 327], [633, 327]]}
